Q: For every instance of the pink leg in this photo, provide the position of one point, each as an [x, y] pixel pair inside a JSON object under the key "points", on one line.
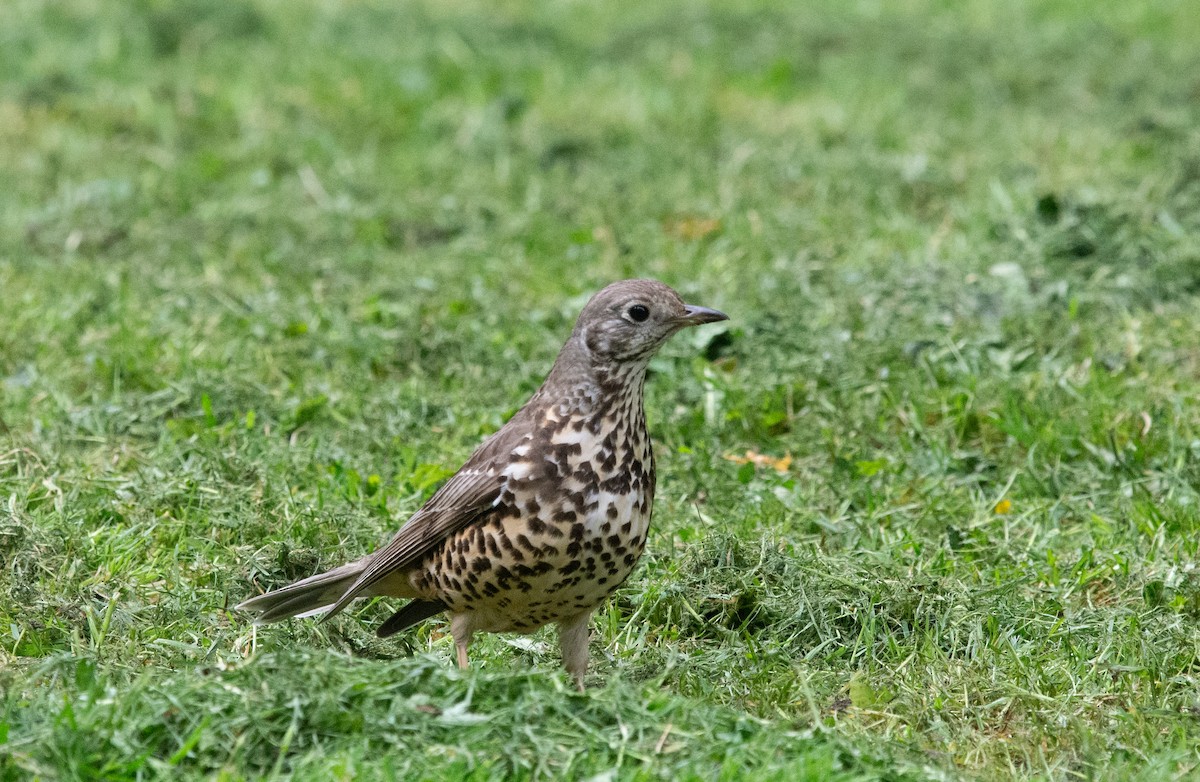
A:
{"points": [[461, 629], [573, 635]]}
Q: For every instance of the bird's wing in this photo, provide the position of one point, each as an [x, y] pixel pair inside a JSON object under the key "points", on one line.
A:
{"points": [[470, 492]]}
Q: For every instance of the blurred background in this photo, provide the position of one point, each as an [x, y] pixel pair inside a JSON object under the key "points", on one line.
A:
{"points": [[269, 271]]}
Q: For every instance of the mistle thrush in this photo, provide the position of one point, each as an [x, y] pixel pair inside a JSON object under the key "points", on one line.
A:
{"points": [[548, 516]]}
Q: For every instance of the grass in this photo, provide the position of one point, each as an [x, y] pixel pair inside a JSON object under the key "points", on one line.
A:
{"points": [[270, 270]]}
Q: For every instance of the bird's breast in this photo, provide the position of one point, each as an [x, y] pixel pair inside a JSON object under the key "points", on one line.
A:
{"points": [[567, 529]]}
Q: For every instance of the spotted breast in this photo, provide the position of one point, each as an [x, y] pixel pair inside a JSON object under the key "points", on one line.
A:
{"points": [[569, 524]]}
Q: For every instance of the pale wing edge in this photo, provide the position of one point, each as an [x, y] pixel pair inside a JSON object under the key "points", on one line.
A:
{"points": [[459, 502]]}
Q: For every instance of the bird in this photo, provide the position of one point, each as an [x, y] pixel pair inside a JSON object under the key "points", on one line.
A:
{"points": [[548, 516]]}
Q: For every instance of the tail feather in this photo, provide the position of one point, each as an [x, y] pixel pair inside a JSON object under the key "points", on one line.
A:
{"points": [[305, 597], [413, 612], [298, 606]]}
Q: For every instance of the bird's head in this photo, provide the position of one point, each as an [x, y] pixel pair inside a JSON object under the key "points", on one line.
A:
{"points": [[628, 321]]}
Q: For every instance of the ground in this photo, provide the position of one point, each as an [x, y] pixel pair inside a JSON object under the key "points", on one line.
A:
{"points": [[927, 504]]}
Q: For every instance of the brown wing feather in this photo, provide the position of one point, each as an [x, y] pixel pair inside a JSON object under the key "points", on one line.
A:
{"points": [[472, 491], [469, 493]]}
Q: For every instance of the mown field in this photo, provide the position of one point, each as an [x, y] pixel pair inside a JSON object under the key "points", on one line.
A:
{"points": [[927, 504]]}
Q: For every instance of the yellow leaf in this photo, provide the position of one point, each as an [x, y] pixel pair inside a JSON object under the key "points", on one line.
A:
{"points": [[776, 463], [1003, 506], [694, 227]]}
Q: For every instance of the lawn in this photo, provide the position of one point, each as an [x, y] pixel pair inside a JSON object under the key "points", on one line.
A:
{"points": [[928, 504]]}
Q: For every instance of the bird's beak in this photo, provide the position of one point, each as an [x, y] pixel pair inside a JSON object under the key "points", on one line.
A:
{"points": [[694, 316]]}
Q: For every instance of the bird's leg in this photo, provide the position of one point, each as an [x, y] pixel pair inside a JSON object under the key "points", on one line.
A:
{"points": [[462, 631], [573, 637]]}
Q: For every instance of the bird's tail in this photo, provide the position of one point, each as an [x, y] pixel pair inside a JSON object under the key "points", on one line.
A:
{"points": [[314, 595], [415, 611]]}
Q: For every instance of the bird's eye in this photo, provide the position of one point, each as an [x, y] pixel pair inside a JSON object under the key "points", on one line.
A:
{"points": [[639, 312]]}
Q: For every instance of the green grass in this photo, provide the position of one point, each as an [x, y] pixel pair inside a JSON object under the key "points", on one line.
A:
{"points": [[269, 271]]}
